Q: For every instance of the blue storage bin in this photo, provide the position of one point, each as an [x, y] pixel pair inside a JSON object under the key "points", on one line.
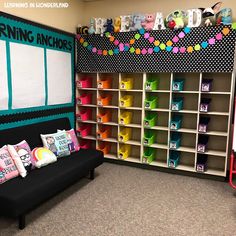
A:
{"points": [[175, 140], [176, 122], [178, 85], [177, 104], [174, 158]]}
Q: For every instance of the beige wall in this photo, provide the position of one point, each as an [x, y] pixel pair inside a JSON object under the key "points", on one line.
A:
{"points": [[65, 18], [111, 8]]}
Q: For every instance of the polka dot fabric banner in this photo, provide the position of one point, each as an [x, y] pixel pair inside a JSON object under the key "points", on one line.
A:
{"points": [[202, 49]]}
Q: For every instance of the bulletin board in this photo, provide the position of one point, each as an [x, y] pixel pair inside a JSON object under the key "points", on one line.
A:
{"points": [[36, 72]]}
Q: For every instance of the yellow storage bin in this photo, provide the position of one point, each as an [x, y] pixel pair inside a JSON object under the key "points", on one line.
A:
{"points": [[126, 101], [125, 134], [125, 117], [126, 83], [124, 151]]}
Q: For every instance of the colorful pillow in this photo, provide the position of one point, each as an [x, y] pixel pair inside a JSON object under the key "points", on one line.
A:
{"points": [[57, 143], [43, 156], [17, 160], [7, 166], [24, 152], [72, 140]]}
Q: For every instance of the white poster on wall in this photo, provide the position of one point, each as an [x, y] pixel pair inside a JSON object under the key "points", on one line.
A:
{"points": [[3, 77], [59, 77], [28, 76]]}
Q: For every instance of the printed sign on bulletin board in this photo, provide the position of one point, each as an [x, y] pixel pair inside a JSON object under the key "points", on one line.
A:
{"points": [[36, 66]]}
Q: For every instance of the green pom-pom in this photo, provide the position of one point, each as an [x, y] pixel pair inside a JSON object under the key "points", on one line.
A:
{"points": [[107, 34], [137, 36], [132, 50], [197, 47], [110, 52], [85, 44], [234, 26], [162, 46]]}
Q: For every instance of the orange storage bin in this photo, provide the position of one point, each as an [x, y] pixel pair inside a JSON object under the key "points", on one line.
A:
{"points": [[104, 147], [104, 116], [104, 100], [105, 83], [104, 132]]}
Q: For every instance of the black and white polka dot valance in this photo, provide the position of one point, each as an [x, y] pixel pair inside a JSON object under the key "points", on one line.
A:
{"points": [[202, 49]]}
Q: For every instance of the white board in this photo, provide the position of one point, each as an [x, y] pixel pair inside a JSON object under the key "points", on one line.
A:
{"points": [[59, 77], [28, 76], [3, 77]]}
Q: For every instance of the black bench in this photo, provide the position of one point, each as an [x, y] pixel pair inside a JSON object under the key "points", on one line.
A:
{"points": [[18, 196]]}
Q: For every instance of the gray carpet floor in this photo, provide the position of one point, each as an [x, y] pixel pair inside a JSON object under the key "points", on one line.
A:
{"points": [[129, 201]]}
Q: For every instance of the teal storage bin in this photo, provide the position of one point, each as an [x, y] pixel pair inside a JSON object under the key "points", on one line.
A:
{"points": [[149, 155], [177, 104], [178, 85], [150, 119], [174, 158], [176, 122], [150, 102], [151, 83], [175, 140], [149, 137]]}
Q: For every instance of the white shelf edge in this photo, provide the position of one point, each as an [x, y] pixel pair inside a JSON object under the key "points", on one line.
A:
{"points": [[157, 91], [108, 123], [187, 92], [158, 146], [186, 111], [110, 156], [217, 93], [113, 107], [132, 142], [131, 125], [214, 153], [92, 89], [90, 137], [184, 149], [131, 90], [132, 108], [112, 90], [87, 121], [86, 105], [184, 130], [215, 133], [164, 128], [157, 109], [110, 140], [215, 113]]}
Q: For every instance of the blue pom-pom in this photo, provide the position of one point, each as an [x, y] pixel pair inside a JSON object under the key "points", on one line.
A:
{"points": [[156, 49]]}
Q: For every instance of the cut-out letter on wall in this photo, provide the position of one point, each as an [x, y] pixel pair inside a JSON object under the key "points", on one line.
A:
{"points": [[59, 77], [99, 25], [194, 17], [3, 77], [159, 22], [125, 23], [28, 76]]}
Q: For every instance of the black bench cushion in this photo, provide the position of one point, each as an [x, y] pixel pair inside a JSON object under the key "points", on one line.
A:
{"points": [[19, 195]]}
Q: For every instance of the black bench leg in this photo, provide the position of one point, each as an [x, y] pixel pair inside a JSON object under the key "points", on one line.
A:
{"points": [[21, 221], [91, 174]]}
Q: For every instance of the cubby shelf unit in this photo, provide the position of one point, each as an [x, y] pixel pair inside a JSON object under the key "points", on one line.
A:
{"points": [[219, 112]]}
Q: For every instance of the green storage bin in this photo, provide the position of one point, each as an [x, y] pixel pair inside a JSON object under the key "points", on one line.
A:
{"points": [[150, 102], [149, 137], [151, 83], [150, 119], [149, 155]]}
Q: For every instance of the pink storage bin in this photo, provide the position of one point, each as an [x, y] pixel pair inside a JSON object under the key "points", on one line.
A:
{"points": [[84, 114], [85, 144], [84, 130], [85, 98], [85, 82]]}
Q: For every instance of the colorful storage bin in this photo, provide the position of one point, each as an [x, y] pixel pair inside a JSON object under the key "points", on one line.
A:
{"points": [[105, 147], [176, 122], [125, 117], [125, 134], [105, 83], [205, 104], [149, 137], [175, 140], [126, 83], [174, 159], [150, 102], [151, 83], [149, 155], [104, 100], [84, 130], [206, 85], [177, 104], [203, 124], [202, 143], [178, 85], [85, 82], [201, 163], [104, 132], [126, 101], [84, 114], [124, 151], [104, 116], [84, 99], [85, 144], [150, 119]]}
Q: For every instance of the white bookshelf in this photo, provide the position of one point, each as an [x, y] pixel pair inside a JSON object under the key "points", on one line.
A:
{"points": [[219, 126]]}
